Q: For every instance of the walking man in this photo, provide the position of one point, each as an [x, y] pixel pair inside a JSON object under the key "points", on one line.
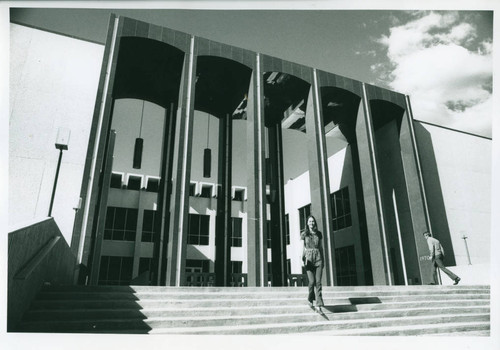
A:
{"points": [[437, 256]]}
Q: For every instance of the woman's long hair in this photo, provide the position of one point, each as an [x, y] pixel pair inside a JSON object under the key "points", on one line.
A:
{"points": [[306, 229]]}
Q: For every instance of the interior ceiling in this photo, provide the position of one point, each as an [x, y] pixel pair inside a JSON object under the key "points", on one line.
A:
{"points": [[148, 70]]}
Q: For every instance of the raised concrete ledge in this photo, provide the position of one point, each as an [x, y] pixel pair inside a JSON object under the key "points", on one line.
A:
{"points": [[25, 224], [36, 255]]}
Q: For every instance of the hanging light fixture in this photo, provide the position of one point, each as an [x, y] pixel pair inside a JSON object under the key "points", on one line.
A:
{"points": [[139, 142], [207, 153]]}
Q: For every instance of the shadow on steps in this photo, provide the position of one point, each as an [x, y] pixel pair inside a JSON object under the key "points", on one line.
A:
{"points": [[352, 306], [86, 310]]}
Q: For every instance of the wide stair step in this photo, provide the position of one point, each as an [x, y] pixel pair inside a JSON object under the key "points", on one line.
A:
{"points": [[373, 310]]}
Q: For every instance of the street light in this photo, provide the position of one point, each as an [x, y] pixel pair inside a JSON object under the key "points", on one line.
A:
{"points": [[464, 237], [62, 141]]}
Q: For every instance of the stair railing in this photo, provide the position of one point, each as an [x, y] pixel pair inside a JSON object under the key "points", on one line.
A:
{"points": [[238, 280], [297, 280], [200, 279]]}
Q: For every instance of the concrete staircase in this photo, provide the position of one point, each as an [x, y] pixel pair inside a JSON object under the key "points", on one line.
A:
{"points": [[373, 310]]}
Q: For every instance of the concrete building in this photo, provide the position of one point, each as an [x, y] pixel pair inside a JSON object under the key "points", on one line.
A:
{"points": [[204, 160]]}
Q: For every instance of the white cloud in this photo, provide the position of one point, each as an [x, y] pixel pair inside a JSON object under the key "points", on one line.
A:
{"points": [[463, 32], [447, 82]]}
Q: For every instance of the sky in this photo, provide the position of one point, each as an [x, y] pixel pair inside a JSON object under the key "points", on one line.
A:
{"points": [[441, 59]]}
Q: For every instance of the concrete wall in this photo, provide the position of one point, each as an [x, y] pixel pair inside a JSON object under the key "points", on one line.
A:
{"points": [[457, 176], [53, 84], [57, 266], [297, 195], [341, 175]]}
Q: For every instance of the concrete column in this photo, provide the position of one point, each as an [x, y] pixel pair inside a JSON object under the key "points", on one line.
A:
{"points": [[100, 218], [278, 229], [372, 194], [256, 223], [223, 230], [318, 177], [360, 205], [162, 218], [420, 219], [138, 234], [179, 206], [81, 243]]}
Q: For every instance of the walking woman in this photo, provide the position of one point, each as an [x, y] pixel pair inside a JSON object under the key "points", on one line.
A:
{"points": [[313, 260]]}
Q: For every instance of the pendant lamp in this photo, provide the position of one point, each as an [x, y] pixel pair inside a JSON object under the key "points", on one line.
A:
{"points": [[139, 142], [207, 153]]}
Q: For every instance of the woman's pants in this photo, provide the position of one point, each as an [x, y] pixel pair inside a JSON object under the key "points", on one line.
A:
{"points": [[314, 276]]}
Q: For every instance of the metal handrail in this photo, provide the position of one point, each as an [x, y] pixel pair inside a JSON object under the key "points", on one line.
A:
{"points": [[207, 279], [297, 280], [200, 279]]}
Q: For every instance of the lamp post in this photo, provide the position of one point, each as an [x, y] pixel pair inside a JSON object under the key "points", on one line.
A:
{"points": [[62, 141], [464, 237]]}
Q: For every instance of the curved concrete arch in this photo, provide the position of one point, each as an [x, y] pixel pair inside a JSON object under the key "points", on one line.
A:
{"points": [[274, 64], [206, 47], [130, 27], [148, 70], [327, 79]]}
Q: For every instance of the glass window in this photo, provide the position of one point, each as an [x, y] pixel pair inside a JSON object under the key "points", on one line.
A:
{"points": [[108, 227], [120, 217], [198, 229], [236, 267], [134, 183], [116, 180], [145, 265], [239, 195], [115, 270], [204, 229], [148, 226], [206, 191], [131, 224], [304, 212], [192, 189], [346, 266], [341, 209], [153, 185], [237, 238], [195, 265], [121, 224]]}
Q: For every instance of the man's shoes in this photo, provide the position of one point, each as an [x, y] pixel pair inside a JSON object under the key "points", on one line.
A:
{"points": [[456, 281]]}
